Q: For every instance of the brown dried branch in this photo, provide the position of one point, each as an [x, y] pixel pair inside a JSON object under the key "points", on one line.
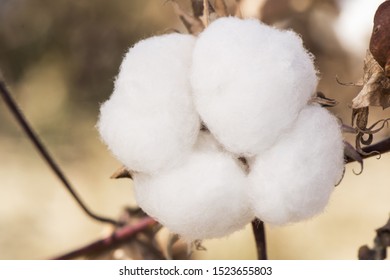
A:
{"points": [[118, 237], [259, 233], [33, 137]]}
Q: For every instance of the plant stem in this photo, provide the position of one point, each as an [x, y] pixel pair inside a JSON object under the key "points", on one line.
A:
{"points": [[259, 233], [119, 236], [22, 121]]}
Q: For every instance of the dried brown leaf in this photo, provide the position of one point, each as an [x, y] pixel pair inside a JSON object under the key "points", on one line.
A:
{"points": [[360, 117], [376, 89], [198, 7], [122, 173], [351, 153], [221, 8], [206, 13], [249, 8], [193, 24], [321, 99]]}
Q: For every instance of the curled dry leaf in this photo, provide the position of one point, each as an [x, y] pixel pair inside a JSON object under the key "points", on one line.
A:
{"points": [[221, 8], [324, 101], [206, 12], [360, 119], [376, 79], [199, 8], [376, 86], [351, 154], [193, 24], [122, 173], [249, 8], [380, 38]]}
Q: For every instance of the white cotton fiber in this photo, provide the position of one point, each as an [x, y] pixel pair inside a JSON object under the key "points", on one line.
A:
{"points": [[205, 197], [250, 81], [206, 142], [293, 180], [149, 122]]}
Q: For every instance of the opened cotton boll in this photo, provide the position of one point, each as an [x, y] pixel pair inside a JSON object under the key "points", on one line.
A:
{"points": [[150, 123], [250, 81], [205, 197], [294, 180]]}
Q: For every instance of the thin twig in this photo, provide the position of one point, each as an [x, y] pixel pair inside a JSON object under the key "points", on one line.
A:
{"points": [[259, 233], [118, 237], [22, 121]]}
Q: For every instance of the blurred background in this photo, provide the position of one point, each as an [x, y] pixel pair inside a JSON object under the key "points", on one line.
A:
{"points": [[60, 58]]}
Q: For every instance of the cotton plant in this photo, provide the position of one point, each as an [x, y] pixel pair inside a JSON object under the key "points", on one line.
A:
{"points": [[219, 129]]}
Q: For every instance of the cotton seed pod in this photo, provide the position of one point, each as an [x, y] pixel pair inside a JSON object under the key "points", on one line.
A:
{"points": [[204, 197], [380, 37], [250, 81], [149, 122], [294, 180]]}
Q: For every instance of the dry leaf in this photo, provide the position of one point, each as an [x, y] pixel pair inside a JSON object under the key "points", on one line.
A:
{"points": [[199, 8], [351, 153], [376, 88], [324, 101], [193, 24], [221, 8], [380, 37], [249, 8], [121, 173]]}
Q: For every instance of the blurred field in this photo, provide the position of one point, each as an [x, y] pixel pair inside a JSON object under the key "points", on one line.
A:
{"points": [[60, 60]]}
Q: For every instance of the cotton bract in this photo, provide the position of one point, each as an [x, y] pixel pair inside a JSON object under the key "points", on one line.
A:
{"points": [[149, 122], [205, 197], [250, 81], [294, 179]]}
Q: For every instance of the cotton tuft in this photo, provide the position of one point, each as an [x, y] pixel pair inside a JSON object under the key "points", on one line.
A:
{"points": [[149, 122], [250, 81], [205, 197], [293, 180]]}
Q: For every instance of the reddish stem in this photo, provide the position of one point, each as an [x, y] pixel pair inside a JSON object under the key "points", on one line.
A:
{"points": [[116, 238]]}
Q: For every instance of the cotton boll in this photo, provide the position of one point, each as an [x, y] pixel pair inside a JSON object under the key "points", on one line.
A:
{"points": [[150, 122], [293, 180], [250, 81], [205, 197]]}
